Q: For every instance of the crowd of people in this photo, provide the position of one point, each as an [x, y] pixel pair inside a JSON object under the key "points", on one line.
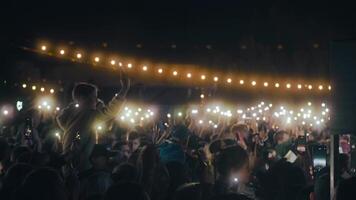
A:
{"points": [[160, 161]]}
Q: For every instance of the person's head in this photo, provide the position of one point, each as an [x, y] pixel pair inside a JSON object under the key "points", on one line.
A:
{"points": [[18, 151], [14, 177], [124, 172], [240, 129], [43, 184], [85, 94], [346, 189], [99, 157], [135, 140], [232, 163], [180, 133], [189, 191], [127, 191], [262, 130], [281, 137]]}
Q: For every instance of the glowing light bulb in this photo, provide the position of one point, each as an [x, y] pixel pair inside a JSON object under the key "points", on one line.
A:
{"points": [[5, 112], [309, 103], [129, 65], [34, 87], [24, 85], [189, 75], [112, 62], [299, 86], [175, 73], [276, 85], [253, 83], [43, 48], [321, 87], [179, 114], [310, 87], [79, 55], [229, 80], [202, 96], [42, 89], [51, 90], [144, 68], [169, 115], [62, 52], [97, 59], [202, 77], [77, 105], [242, 82], [216, 79], [265, 84], [160, 70], [288, 86], [329, 87]]}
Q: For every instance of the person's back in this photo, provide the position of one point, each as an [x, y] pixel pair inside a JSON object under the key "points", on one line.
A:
{"points": [[346, 189]]}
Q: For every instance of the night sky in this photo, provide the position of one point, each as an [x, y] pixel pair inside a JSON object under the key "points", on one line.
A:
{"points": [[234, 36]]}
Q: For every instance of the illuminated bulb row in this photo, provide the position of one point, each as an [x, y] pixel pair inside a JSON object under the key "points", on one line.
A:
{"points": [[34, 87], [189, 75]]}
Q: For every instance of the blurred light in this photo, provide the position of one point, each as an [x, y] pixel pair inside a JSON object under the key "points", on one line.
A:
{"points": [[310, 87], [202, 96], [309, 103], [62, 52], [129, 65], [5, 112], [169, 115], [202, 77], [276, 85], [19, 105], [24, 85], [299, 86], [112, 62], [270, 105], [322, 104], [43, 48], [79, 55], [329, 87], [216, 79], [58, 108], [160, 70], [51, 90], [242, 82], [99, 128], [201, 121], [265, 84], [42, 89], [239, 111], [144, 68], [34, 87], [175, 73], [320, 87], [229, 80], [253, 83], [288, 85], [194, 111], [96, 59], [179, 114], [77, 105], [120, 64]]}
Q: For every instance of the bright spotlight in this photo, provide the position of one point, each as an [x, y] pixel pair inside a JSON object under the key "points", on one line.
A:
{"points": [[202, 77], [79, 55], [62, 52], [144, 68], [43, 47], [265, 84], [97, 59]]}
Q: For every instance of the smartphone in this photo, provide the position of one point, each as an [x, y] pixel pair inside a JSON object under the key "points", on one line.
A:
{"points": [[319, 153], [301, 144]]}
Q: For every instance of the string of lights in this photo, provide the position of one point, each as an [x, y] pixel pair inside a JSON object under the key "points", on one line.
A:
{"points": [[181, 74]]}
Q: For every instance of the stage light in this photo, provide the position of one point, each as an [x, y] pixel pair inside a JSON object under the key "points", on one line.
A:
{"points": [[97, 59], [79, 55], [175, 73], [320, 87], [42, 89], [62, 52], [189, 75], [112, 62], [288, 85], [242, 82], [202, 77], [129, 65], [265, 84], [253, 83], [43, 47], [299, 86], [216, 79], [24, 85], [229, 80], [310, 87], [276, 85], [34, 87], [160, 70], [51, 90], [144, 68]]}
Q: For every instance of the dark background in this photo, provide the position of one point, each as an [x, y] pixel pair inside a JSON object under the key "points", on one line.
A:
{"points": [[279, 38]]}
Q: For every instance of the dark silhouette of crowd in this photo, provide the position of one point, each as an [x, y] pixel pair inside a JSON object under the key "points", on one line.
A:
{"points": [[179, 162]]}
